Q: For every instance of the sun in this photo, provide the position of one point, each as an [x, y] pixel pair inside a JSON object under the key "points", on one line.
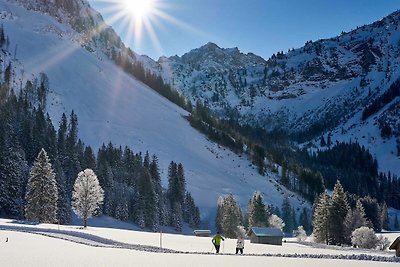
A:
{"points": [[140, 9]]}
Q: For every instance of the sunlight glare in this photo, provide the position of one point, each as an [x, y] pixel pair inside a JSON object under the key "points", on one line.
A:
{"points": [[140, 9]]}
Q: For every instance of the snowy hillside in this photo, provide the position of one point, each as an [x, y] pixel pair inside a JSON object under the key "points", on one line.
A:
{"points": [[113, 106], [119, 245], [313, 90]]}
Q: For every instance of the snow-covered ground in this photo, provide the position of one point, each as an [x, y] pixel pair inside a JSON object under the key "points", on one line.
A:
{"points": [[53, 245]]}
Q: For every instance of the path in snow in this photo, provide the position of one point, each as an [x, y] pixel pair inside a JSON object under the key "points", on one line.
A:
{"points": [[96, 241]]}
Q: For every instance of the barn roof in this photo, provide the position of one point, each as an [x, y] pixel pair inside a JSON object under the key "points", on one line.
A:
{"points": [[202, 231], [395, 243], [259, 231]]}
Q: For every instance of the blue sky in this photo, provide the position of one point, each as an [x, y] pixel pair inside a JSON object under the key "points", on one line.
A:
{"points": [[259, 26]]}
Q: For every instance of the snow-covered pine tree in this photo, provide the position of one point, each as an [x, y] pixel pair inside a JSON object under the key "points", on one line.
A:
{"points": [[87, 195], [337, 214], [257, 213], [320, 219], [355, 218], [218, 217], [384, 216], [41, 193], [13, 174], [231, 216]]}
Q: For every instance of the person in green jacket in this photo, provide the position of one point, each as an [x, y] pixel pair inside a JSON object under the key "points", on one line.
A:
{"points": [[217, 241]]}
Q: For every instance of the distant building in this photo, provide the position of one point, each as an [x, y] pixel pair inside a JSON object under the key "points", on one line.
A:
{"points": [[202, 233], [271, 236]]}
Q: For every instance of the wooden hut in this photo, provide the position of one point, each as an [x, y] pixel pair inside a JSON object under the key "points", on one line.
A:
{"points": [[271, 236], [396, 246], [202, 233]]}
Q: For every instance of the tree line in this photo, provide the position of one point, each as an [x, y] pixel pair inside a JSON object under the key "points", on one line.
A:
{"points": [[336, 217], [230, 219], [381, 101]]}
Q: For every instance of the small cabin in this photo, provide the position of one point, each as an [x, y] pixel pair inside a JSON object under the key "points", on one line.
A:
{"points": [[396, 246], [202, 233], [270, 236]]}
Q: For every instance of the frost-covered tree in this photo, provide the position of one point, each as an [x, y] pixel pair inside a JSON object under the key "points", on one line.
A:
{"points": [[364, 237], [275, 222], [320, 219], [87, 195], [300, 234], [231, 216], [384, 216], [41, 193], [337, 214], [240, 231], [13, 174]]}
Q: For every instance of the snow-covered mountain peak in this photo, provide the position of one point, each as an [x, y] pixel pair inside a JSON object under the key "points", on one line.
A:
{"points": [[211, 54]]}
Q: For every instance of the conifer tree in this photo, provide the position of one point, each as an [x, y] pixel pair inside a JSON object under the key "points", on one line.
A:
{"points": [[384, 216], [304, 220], [13, 174], [337, 214], [257, 213], [231, 216], [320, 219], [355, 219], [287, 215], [41, 193]]}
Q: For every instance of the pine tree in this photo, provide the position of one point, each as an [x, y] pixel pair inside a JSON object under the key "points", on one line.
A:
{"points": [[304, 220], [372, 211], [41, 194], [337, 214], [231, 216], [147, 200], [89, 160], [320, 219], [287, 215], [257, 213], [322, 142], [384, 216], [13, 174], [219, 214], [2, 36], [355, 218], [87, 195]]}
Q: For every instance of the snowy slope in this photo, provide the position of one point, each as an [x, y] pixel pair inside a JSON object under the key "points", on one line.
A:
{"points": [[49, 245], [112, 106]]}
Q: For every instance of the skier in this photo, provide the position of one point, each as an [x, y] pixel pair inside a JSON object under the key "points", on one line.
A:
{"points": [[217, 241], [240, 245]]}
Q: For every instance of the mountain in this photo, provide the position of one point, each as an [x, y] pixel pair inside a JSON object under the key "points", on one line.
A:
{"points": [[322, 88], [64, 40]]}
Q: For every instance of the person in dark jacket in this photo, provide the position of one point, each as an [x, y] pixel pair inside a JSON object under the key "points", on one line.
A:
{"points": [[217, 241]]}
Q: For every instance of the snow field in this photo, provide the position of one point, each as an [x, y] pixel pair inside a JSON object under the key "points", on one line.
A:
{"points": [[27, 249]]}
